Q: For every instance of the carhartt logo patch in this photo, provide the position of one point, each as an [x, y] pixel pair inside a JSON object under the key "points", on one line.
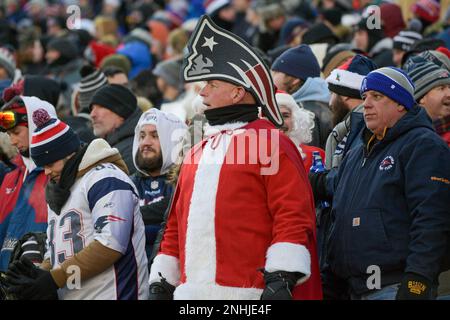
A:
{"points": [[387, 163], [356, 222]]}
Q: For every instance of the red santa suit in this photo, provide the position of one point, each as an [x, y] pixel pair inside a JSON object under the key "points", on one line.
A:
{"points": [[236, 210]]}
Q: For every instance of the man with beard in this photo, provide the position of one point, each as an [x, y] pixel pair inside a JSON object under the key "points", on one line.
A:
{"points": [[156, 144], [22, 207], [303, 82], [346, 104]]}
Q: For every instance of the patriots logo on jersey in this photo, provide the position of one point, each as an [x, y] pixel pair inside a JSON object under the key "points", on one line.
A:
{"points": [[387, 163], [104, 220]]}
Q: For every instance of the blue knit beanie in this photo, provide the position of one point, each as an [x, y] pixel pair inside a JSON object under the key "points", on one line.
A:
{"points": [[298, 62], [393, 83]]}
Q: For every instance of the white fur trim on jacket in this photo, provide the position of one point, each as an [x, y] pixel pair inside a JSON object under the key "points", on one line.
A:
{"points": [[285, 256], [169, 267], [345, 78], [200, 246], [210, 130], [196, 291]]}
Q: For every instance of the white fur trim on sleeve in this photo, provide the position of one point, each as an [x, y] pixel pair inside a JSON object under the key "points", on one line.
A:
{"points": [[286, 256], [168, 266]]}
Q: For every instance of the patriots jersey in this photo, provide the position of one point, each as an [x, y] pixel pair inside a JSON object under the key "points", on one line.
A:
{"points": [[103, 206]]}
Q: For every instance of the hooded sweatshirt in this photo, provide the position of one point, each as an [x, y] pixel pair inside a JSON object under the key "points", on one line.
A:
{"points": [[23, 207], [155, 192], [315, 96]]}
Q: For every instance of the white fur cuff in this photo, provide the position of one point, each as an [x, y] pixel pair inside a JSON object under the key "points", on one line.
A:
{"points": [[168, 266], [286, 256]]}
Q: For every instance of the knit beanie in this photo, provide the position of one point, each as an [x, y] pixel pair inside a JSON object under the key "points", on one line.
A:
{"points": [[170, 72], [287, 31], [64, 46], [406, 39], [116, 98], [52, 140], [426, 76], [427, 10], [391, 19], [436, 57], [7, 61], [319, 33], [116, 60], [92, 80], [393, 83], [298, 62], [347, 79]]}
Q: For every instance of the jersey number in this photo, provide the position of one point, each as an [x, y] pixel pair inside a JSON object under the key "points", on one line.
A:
{"points": [[71, 234]]}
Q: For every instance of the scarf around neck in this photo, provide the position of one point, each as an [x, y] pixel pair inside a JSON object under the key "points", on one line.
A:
{"points": [[233, 113], [57, 194]]}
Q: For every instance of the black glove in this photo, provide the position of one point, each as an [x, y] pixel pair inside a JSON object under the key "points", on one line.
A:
{"points": [[415, 287], [161, 290], [27, 282], [279, 285], [318, 181]]}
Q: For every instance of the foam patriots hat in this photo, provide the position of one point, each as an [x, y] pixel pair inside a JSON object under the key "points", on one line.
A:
{"points": [[217, 54]]}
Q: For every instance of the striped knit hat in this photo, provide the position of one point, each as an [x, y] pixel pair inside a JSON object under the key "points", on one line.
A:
{"points": [[393, 83], [92, 80], [406, 39], [346, 80], [426, 76], [52, 140]]}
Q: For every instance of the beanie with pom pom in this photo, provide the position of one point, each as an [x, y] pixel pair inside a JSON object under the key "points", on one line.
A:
{"points": [[52, 140]]}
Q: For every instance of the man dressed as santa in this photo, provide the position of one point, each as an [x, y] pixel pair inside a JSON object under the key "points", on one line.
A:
{"points": [[242, 222]]}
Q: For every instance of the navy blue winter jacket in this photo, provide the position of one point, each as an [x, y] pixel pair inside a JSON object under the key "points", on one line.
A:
{"points": [[391, 206]]}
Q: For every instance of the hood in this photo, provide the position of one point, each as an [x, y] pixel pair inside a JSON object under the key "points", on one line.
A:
{"points": [[97, 151], [32, 104], [171, 131], [139, 55], [314, 89]]}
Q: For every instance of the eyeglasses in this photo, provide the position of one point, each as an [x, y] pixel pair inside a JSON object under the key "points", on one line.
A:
{"points": [[9, 119]]}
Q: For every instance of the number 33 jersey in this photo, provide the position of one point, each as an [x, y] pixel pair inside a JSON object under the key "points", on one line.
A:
{"points": [[103, 206]]}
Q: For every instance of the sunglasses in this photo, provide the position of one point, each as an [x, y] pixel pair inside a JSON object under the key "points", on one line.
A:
{"points": [[9, 119]]}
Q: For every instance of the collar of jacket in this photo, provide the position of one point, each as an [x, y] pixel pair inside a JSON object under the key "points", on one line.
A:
{"points": [[126, 130]]}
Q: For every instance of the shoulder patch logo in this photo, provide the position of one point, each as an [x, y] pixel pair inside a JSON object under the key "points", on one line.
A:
{"points": [[387, 163], [104, 220]]}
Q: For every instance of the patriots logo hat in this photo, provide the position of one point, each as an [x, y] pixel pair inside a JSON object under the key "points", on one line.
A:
{"points": [[217, 54]]}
